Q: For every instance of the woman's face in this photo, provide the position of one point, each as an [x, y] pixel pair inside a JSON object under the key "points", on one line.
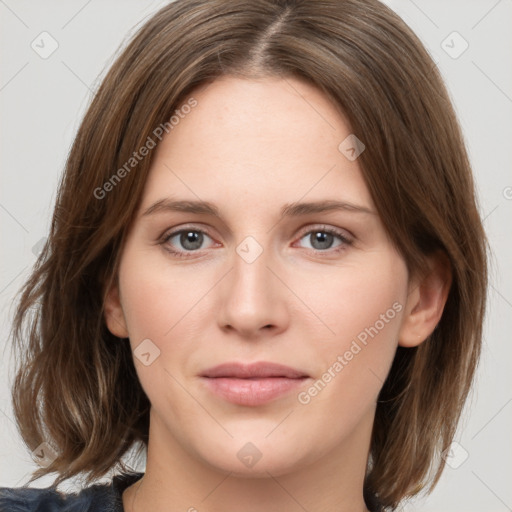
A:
{"points": [[294, 269]]}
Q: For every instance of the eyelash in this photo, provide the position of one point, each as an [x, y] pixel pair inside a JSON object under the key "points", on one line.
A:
{"points": [[322, 229]]}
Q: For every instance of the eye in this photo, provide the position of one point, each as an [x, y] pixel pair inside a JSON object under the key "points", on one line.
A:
{"points": [[324, 238], [187, 240]]}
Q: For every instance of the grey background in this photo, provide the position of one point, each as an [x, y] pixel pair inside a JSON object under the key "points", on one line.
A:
{"points": [[43, 100]]}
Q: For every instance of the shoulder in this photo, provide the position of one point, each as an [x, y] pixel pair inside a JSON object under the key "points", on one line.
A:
{"points": [[21, 499], [105, 497]]}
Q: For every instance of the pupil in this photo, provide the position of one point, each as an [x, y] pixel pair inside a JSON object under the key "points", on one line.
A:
{"points": [[324, 240], [191, 240]]}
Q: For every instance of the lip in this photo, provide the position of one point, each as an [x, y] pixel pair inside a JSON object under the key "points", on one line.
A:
{"points": [[260, 369], [252, 384]]}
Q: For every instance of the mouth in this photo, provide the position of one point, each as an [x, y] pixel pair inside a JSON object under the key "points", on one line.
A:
{"points": [[252, 384]]}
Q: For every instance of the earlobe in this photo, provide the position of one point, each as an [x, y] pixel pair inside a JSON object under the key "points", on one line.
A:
{"points": [[426, 301], [113, 311]]}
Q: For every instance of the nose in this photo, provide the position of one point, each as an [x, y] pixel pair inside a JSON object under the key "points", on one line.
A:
{"points": [[253, 300]]}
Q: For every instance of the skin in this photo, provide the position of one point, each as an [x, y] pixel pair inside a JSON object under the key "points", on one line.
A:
{"points": [[250, 147]]}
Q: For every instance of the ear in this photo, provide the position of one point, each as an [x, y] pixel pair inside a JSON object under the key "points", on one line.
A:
{"points": [[114, 316], [426, 300]]}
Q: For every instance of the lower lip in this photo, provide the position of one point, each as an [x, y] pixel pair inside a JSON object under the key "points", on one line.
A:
{"points": [[252, 392]]}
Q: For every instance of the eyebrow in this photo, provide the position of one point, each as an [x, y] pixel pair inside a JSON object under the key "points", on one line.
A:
{"points": [[288, 210]]}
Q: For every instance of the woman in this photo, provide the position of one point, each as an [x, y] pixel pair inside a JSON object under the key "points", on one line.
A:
{"points": [[266, 267]]}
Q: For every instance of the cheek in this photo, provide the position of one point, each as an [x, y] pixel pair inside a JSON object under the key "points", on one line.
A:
{"points": [[354, 299], [170, 307], [155, 297], [157, 304], [364, 308]]}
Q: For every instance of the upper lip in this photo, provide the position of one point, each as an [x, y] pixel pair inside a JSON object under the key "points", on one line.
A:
{"points": [[260, 369]]}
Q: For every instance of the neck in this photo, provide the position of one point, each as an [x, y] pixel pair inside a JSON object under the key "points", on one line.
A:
{"points": [[175, 480]]}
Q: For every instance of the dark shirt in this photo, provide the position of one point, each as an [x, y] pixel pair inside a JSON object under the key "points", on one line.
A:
{"points": [[105, 497], [95, 498]]}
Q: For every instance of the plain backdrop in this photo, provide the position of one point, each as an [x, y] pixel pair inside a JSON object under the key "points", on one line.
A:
{"points": [[42, 101]]}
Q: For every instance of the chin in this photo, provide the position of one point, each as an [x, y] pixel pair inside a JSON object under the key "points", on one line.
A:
{"points": [[257, 458]]}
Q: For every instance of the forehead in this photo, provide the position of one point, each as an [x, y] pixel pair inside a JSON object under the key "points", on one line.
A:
{"points": [[268, 141]]}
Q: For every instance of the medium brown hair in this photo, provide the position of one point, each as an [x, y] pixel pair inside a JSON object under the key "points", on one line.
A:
{"points": [[76, 387]]}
